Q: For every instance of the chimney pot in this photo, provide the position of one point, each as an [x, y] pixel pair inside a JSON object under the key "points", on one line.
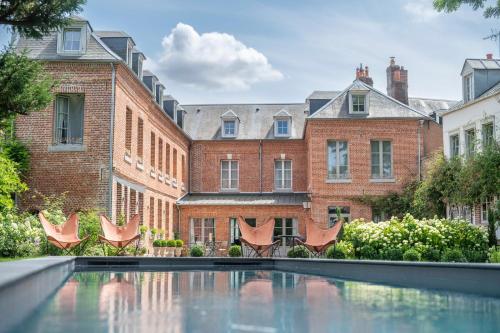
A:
{"points": [[489, 56]]}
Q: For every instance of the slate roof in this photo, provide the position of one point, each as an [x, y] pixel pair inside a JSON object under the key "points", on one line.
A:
{"points": [[380, 106], [46, 49], [483, 63], [490, 92], [245, 199], [112, 34], [203, 122], [323, 94]]}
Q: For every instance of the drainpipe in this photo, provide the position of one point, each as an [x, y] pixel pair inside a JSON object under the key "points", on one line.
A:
{"points": [[111, 139], [260, 165], [421, 122]]}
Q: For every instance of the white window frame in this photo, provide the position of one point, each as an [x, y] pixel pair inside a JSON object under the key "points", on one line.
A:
{"points": [[366, 104], [288, 121], [381, 160], [83, 40], [230, 135], [468, 152], [452, 153], [483, 125], [56, 137], [282, 187], [345, 213], [204, 237], [337, 158], [468, 87], [230, 180]]}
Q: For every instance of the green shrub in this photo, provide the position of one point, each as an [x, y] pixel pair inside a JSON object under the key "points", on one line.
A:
{"points": [[453, 255], [10, 182], [197, 251], [347, 248], [394, 254], [299, 251], [18, 152], [179, 243], [143, 229], [430, 254], [158, 243], [476, 256], [368, 252], [154, 231], [90, 225], [164, 243], [235, 251], [21, 235], [171, 243], [411, 255], [494, 256], [335, 252]]}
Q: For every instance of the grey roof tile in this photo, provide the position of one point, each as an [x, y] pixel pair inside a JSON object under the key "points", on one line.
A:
{"points": [[429, 105], [203, 122], [248, 199], [323, 94]]}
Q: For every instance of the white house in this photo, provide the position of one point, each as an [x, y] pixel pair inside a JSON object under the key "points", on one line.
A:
{"points": [[474, 121]]}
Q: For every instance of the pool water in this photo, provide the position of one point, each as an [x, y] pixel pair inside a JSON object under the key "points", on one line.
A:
{"points": [[252, 301]]}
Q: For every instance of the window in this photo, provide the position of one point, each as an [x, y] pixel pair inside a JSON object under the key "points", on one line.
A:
{"points": [[379, 215], [454, 145], [334, 212], [234, 230], [167, 215], [358, 103], [183, 168], [487, 134], [128, 130], [338, 161], [174, 161], [285, 226], [202, 230], [160, 214], [470, 142], [129, 56], [140, 138], [139, 67], [160, 155], [229, 175], [69, 119], [229, 128], [282, 127], [283, 175], [468, 89], [485, 206], [381, 159], [152, 157], [72, 39], [167, 159]]}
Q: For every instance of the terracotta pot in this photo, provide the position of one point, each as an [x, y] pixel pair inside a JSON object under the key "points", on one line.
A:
{"points": [[171, 252], [156, 251], [162, 251], [178, 251]]}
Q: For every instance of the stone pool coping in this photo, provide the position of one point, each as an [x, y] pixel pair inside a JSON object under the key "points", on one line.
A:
{"points": [[24, 284]]}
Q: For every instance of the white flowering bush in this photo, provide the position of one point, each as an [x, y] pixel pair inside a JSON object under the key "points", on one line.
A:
{"points": [[430, 237], [20, 235]]}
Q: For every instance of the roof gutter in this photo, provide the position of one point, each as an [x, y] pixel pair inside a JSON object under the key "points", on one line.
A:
{"points": [[111, 139]]}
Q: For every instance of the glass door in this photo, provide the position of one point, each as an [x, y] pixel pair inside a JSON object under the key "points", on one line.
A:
{"points": [[285, 228]]}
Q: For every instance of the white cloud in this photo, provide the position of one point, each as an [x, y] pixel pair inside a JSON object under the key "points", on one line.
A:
{"points": [[212, 60], [421, 10]]}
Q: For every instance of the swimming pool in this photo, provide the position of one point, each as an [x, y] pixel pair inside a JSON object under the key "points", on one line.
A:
{"points": [[252, 301]]}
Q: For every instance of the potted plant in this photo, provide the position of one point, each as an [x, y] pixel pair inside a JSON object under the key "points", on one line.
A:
{"points": [[163, 250], [154, 231], [235, 251], [157, 246], [197, 251], [179, 243], [170, 248]]}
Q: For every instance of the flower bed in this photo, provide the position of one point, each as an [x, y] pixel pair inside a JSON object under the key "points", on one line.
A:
{"points": [[431, 238]]}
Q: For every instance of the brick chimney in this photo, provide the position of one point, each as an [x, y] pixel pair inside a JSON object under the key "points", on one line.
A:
{"points": [[397, 82], [489, 56], [363, 75]]}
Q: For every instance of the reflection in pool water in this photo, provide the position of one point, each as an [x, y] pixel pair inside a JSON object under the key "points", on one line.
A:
{"points": [[252, 301]]}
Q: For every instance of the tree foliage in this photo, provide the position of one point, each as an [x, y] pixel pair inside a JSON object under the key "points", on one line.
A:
{"points": [[10, 182], [35, 18], [24, 86], [448, 6]]}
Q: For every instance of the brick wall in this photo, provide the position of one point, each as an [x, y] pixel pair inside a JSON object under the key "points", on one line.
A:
{"points": [[404, 137], [83, 175], [207, 156], [222, 214]]}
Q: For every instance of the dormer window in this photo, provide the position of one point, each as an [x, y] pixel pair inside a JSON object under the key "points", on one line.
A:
{"points": [[358, 102], [282, 127], [468, 89], [229, 128], [282, 124], [72, 39]]}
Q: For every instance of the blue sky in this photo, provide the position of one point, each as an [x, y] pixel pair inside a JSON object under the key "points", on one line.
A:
{"points": [[281, 50]]}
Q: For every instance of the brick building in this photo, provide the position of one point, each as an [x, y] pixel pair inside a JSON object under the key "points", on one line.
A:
{"points": [[113, 140]]}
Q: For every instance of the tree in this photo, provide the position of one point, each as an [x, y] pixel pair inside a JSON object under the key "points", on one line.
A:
{"points": [[10, 182], [24, 86], [452, 5], [35, 18]]}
